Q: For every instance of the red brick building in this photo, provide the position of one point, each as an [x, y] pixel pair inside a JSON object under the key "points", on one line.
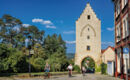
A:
{"points": [[122, 35]]}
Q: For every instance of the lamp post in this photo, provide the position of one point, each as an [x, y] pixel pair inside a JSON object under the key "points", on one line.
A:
{"points": [[29, 47]]}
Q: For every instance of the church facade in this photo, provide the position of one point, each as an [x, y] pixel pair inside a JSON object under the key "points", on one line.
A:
{"points": [[88, 37]]}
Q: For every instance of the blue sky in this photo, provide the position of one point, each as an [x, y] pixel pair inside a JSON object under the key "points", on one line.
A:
{"points": [[59, 16]]}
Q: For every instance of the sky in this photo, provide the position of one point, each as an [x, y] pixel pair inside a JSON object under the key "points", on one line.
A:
{"points": [[59, 16]]}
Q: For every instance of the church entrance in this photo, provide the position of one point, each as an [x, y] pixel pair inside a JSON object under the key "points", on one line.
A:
{"points": [[89, 64]]}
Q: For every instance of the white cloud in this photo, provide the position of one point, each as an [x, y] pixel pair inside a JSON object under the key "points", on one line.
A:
{"points": [[46, 23], [26, 25], [36, 20], [51, 26], [70, 42], [110, 29], [69, 32], [108, 43]]}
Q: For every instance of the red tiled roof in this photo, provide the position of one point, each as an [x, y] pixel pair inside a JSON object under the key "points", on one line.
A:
{"points": [[102, 51], [112, 48]]}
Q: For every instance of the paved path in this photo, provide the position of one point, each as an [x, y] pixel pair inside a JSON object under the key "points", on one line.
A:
{"points": [[76, 77]]}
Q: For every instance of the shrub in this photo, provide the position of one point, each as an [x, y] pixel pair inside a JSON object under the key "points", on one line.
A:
{"points": [[97, 68], [77, 68], [103, 68], [38, 64], [17, 62]]}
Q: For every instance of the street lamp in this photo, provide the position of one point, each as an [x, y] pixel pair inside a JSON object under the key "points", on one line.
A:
{"points": [[29, 47]]}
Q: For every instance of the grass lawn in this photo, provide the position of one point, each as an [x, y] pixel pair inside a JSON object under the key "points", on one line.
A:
{"points": [[33, 74], [6, 78]]}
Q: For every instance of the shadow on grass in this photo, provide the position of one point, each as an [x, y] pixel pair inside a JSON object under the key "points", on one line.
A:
{"points": [[33, 74], [7, 74]]}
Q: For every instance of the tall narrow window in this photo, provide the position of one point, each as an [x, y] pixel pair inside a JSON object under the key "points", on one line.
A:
{"points": [[125, 2], [127, 27], [124, 29], [88, 29], [117, 8], [88, 48], [88, 37], [118, 32], [88, 16]]}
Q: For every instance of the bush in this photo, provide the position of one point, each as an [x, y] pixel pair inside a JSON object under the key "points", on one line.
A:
{"points": [[77, 68], [71, 61], [97, 68], [103, 68], [17, 62], [38, 64]]}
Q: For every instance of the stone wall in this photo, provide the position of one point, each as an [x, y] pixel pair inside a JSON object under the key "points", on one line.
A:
{"points": [[88, 25]]}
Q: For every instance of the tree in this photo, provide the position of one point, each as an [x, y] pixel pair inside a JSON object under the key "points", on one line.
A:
{"points": [[13, 32], [53, 44], [55, 62], [18, 62], [12, 60], [55, 48], [39, 51], [13, 57], [38, 64], [8, 28], [4, 54]]}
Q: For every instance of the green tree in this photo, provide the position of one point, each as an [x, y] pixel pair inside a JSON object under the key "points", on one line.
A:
{"points": [[91, 63], [4, 54], [39, 51], [13, 32], [8, 31], [13, 52], [38, 64], [77, 68], [18, 62], [55, 49]]}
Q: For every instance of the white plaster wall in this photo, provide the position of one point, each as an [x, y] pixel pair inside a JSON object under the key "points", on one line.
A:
{"points": [[108, 55]]}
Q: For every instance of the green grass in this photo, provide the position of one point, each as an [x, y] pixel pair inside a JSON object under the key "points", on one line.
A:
{"points": [[6, 78], [33, 74]]}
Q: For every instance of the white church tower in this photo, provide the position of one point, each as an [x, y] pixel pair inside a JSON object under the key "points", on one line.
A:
{"points": [[88, 37]]}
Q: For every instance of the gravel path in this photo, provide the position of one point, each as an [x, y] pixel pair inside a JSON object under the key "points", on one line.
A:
{"points": [[76, 77]]}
